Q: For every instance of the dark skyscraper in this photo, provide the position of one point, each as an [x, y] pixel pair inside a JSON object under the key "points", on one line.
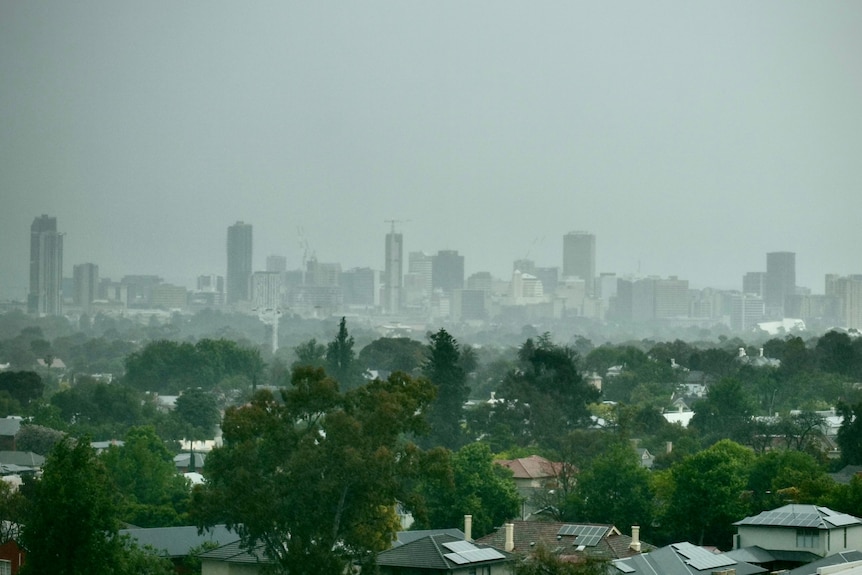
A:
{"points": [[447, 271], [239, 262], [579, 258], [46, 267], [394, 272], [780, 281]]}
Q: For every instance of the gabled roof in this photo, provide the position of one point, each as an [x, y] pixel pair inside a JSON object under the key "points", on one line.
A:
{"points": [[834, 559], [23, 458], [533, 467], [404, 537], [178, 541], [794, 515], [682, 559], [440, 553], [234, 553], [9, 426], [560, 538]]}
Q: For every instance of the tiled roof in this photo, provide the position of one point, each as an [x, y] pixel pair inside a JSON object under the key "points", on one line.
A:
{"points": [[796, 515], [9, 426], [527, 535], [177, 541], [533, 467], [234, 553], [682, 559], [428, 553], [404, 537]]}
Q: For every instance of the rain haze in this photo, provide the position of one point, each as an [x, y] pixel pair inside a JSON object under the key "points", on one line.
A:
{"points": [[690, 138]]}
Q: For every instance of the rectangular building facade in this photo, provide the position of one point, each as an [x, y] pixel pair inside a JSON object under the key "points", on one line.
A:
{"points": [[46, 267]]}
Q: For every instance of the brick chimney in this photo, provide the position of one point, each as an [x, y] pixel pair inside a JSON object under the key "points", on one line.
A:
{"points": [[635, 545], [510, 538], [468, 527]]}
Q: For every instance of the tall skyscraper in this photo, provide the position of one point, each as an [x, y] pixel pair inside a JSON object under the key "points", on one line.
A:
{"points": [[239, 262], [780, 281], [447, 271], [86, 278], [579, 258], [46, 267], [393, 272]]}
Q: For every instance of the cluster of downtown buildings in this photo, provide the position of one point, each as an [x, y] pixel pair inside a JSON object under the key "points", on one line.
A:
{"points": [[432, 288]]}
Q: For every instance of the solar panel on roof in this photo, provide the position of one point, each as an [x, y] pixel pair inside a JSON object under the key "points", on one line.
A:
{"points": [[842, 519], [700, 558], [459, 546], [456, 558], [481, 555], [624, 567]]}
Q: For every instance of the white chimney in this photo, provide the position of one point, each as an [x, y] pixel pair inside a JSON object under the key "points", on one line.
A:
{"points": [[510, 538], [636, 539], [468, 527]]}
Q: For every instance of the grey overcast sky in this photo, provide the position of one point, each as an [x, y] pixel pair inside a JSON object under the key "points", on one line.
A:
{"points": [[690, 137]]}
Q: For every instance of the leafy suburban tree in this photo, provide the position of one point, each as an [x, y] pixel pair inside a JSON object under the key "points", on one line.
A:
{"points": [[789, 476], [102, 410], [310, 354], [849, 436], [705, 495], [475, 486], [341, 363], [70, 526], [37, 438], [313, 479], [614, 488], [197, 414], [393, 354], [443, 369], [546, 393], [22, 386], [153, 494], [726, 412]]}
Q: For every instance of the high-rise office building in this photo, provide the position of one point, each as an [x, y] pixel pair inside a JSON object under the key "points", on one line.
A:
{"points": [[239, 262], [848, 293], [447, 271], [46, 267], [86, 277], [276, 264], [579, 258], [754, 283], [780, 281], [393, 274]]}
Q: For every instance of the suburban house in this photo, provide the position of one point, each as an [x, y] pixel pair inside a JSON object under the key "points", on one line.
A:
{"points": [[9, 428], [11, 554], [177, 543], [797, 534], [231, 559], [683, 559], [832, 564], [571, 542], [444, 554], [534, 476]]}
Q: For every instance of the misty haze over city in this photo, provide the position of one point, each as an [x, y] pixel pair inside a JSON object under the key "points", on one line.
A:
{"points": [[689, 140]]}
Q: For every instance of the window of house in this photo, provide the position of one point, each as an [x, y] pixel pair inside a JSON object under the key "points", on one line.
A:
{"points": [[808, 538], [5, 567]]}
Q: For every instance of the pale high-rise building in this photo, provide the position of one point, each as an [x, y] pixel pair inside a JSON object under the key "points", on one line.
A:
{"points": [[848, 292], [46, 267], [393, 273], [579, 258], [86, 277], [276, 264], [239, 262]]}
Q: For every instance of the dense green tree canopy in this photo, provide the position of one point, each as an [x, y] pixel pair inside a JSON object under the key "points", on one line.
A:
{"points": [[71, 525], [705, 494], [102, 410], [169, 367], [393, 354], [196, 414], [614, 488], [314, 479], [475, 486], [153, 494], [443, 368]]}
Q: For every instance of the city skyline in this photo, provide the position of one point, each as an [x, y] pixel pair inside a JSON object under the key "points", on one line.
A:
{"points": [[690, 139], [776, 277]]}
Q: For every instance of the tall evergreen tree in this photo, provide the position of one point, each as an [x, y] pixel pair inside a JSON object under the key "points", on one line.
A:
{"points": [[341, 362], [443, 369]]}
